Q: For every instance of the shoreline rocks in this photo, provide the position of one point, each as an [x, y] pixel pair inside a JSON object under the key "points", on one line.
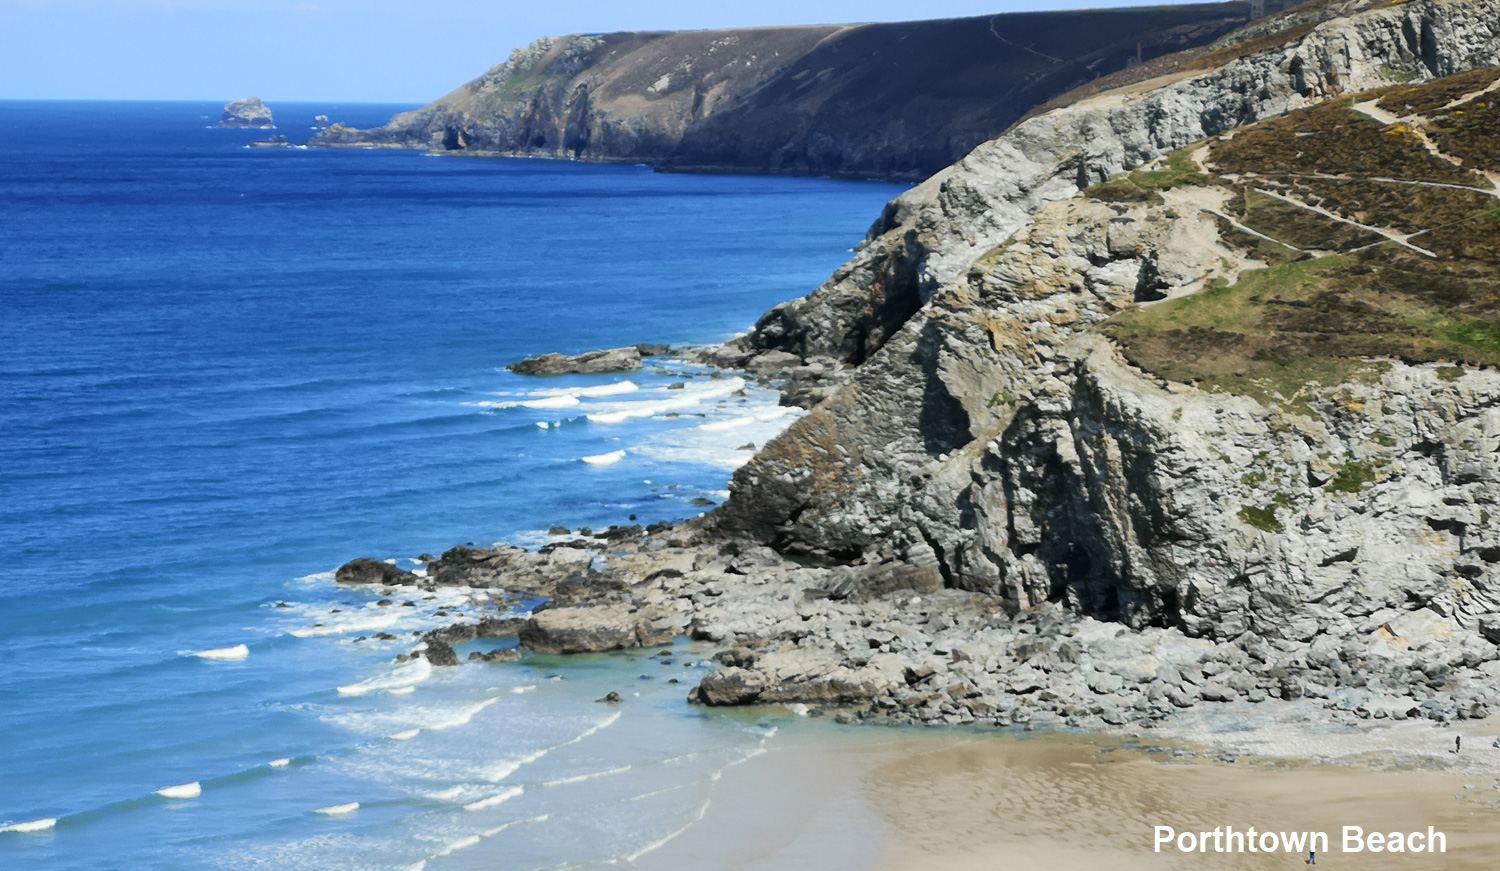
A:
{"points": [[609, 360]]}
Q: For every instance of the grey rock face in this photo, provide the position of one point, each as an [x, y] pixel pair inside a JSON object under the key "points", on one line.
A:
{"points": [[368, 570], [999, 437], [927, 238], [248, 112], [893, 100], [589, 362]]}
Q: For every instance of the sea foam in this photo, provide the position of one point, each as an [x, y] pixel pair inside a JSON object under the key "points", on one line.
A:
{"points": [[400, 677], [605, 459], [498, 798], [40, 825], [181, 790], [238, 651], [336, 809]]}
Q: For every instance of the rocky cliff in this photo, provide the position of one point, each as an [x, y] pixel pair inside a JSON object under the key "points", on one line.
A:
{"points": [[929, 236], [895, 100], [1178, 394], [1246, 467]]}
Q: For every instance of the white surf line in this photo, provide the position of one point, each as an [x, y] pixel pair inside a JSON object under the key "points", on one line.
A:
{"points": [[39, 825], [603, 724], [654, 793], [1390, 236], [490, 833], [238, 651], [338, 809], [181, 790], [498, 798], [460, 844], [280, 763], [580, 778], [713, 781]]}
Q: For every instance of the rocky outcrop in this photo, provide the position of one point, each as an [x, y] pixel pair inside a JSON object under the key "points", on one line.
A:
{"points": [[587, 363], [249, 112], [927, 238], [594, 629], [895, 100], [368, 570], [1000, 434]]}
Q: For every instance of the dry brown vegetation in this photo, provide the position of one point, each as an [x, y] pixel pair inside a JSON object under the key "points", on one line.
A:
{"points": [[1350, 295]]}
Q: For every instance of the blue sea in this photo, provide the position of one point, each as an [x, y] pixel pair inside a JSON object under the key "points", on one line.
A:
{"points": [[227, 370]]}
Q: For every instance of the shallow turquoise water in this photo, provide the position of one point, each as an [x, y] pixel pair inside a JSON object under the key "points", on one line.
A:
{"points": [[227, 370]]}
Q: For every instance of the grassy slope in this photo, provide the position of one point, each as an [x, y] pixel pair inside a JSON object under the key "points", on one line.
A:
{"points": [[1336, 297]]}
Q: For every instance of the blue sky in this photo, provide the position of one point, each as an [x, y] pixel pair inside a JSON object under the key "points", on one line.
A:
{"points": [[353, 50]]}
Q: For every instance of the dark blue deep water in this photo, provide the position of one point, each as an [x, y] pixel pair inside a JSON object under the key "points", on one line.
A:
{"points": [[223, 371]]}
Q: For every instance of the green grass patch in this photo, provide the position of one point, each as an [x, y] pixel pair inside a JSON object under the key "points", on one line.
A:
{"points": [[1394, 74], [1352, 477], [1383, 440], [1253, 479], [1145, 185], [1449, 373], [1261, 518]]}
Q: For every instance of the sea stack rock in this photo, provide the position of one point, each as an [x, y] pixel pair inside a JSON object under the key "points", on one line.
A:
{"points": [[249, 112]]}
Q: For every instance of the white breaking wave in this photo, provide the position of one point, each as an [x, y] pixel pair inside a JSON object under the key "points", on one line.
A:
{"points": [[361, 623], [181, 790], [402, 676], [498, 798], [336, 809], [582, 777], [564, 401], [238, 651], [403, 691], [512, 824], [602, 724], [462, 717], [613, 389], [605, 459], [732, 423], [519, 690], [505, 769], [460, 844], [407, 735], [451, 792], [280, 763], [40, 825]]}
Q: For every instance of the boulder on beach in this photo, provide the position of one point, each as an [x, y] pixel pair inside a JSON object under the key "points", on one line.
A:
{"points": [[368, 570], [581, 630], [587, 363], [249, 112]]}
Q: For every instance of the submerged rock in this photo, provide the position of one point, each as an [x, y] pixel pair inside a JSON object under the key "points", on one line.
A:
{"points": [[499, 654], [249, 112]]}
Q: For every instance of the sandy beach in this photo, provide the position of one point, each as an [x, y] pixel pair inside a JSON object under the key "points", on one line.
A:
{"points": [[905, 800]]}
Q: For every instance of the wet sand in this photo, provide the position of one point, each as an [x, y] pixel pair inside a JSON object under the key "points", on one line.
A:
{"points": [[905, 800]]}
